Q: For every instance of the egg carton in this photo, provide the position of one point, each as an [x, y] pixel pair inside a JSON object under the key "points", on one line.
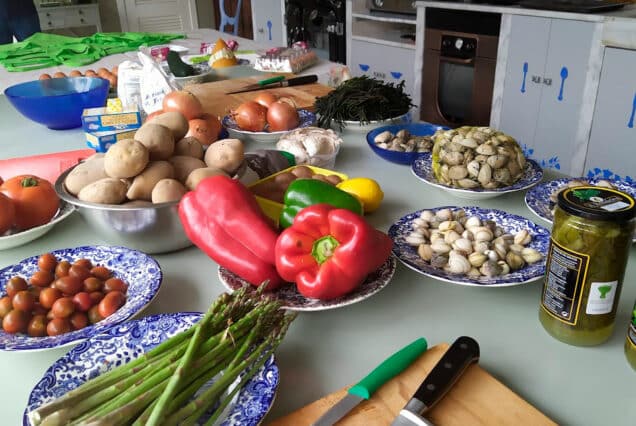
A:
{"points": [[282, 59]]}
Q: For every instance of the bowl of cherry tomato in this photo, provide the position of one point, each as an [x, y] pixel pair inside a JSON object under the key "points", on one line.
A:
{"points": [[68, 295]]}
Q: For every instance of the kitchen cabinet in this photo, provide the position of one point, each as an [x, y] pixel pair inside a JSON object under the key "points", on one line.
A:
{"points": [[545, 80], [381, 45], [58, 17], [269, 23], [612, 143]]}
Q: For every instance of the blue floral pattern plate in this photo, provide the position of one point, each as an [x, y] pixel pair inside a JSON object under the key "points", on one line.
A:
{"points": [[307, 118], [422, 167], [141, 272], [292, 300], [129, 340], [509, 222]]}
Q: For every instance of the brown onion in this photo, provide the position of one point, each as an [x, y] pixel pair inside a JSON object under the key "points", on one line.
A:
{"points": [[282, 116], [265, 99], [205, 129], [184, 102], [251, 116]]}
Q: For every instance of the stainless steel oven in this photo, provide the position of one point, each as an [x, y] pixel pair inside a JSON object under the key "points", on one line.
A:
{"points": [[392, 6]]}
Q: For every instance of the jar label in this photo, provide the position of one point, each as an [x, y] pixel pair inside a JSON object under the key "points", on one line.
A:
{"points": [[601, 298], [631, 332], [563, 284]]}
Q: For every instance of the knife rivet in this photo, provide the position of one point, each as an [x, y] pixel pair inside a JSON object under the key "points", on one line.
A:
{"points": [[463, 346], [448, 365], [430, 387]]}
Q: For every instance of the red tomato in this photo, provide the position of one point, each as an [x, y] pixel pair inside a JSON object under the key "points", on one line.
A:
{"points": [[48, 296], [15, 284], [7, 213], [63, 307], [37, 326], [47, 262], [115, 284], [184, 102], [110, 303], [69, 284], [16, 321], [34, 199], [58, 326], [94, 315], [82, 301], [79, 320], [41, 278], [92, 284], [23, 300], [5, 306]]}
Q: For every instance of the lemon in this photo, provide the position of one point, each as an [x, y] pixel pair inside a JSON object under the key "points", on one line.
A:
{"points": [[367, 190]]}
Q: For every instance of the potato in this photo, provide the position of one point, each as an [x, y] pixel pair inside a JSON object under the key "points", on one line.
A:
{"points": [[125, 159], [84, 174], [158, 139], [167, 190], [320, 177], [284, 179], [226, 154], [175, 121], [302, 172], [143, 183], [183, 166], [197, 175], [104, 191], [189, 146], [334, 179]]}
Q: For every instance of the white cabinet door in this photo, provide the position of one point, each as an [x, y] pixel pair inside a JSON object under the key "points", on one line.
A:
{"points": [[167, 16], [612, 147], [269, 23]]}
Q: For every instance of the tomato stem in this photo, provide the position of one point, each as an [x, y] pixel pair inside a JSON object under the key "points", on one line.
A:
{"points": [[29, 182]]}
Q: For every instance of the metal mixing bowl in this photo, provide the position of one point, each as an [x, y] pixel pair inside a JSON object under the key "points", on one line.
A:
{"points": [[151, 229]]}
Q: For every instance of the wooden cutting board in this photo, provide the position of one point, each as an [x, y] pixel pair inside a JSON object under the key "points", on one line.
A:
{"points": [[215, 101], [476, 399]]}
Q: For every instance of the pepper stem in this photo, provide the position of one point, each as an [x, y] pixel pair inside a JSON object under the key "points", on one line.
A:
{"points": [[28, 182], [323, 248]]}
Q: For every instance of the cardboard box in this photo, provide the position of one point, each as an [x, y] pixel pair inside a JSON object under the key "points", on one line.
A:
{"points": [[101, 141], [103, 120]]}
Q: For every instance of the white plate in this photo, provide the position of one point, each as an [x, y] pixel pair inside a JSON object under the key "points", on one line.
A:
{"points": [[538, 198], [294, 301], [141, 272], [423, 169], [357, 126], [509, 222], [129, 340], [307, 118], [23, 237]]}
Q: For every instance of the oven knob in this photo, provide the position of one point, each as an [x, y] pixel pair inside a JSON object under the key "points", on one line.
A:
{"points": [[470, 46], [446, 42], [459, 43], [378, 3]]}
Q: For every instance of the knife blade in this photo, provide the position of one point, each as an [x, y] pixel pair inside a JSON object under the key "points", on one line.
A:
{"points": [[389, 368], [278, 81], [463, 353]]}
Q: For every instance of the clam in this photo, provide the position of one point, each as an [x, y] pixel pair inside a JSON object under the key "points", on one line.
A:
{"points": [[472, 222], [444, 214], [425, 251], [439, 260], [531, 255], [448, 225], [485, 174], [522, 237], [415, 239], [514, 260], [463, 245], [467, 183], [383, 137], [440, 246], [451, 236], [457, 172], [457, 263], [477, 259], [427, 215], [505, 268], [490, 268]]}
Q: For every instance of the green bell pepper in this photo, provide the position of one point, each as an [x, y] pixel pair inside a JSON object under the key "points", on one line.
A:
{"points": [[302, 193]]}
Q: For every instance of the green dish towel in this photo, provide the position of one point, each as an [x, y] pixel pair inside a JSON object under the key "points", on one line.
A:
{"points": [[43, 50]]}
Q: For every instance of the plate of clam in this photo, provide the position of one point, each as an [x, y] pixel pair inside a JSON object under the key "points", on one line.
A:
{"points": [[471, 246], [542, 198], [476, 163]]}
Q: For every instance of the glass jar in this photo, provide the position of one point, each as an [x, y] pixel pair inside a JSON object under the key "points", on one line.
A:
{"points": [[630, 342], [589, 247]]}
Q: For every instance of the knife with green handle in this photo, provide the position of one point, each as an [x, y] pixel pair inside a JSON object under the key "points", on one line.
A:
{"points": [[390, 367]]}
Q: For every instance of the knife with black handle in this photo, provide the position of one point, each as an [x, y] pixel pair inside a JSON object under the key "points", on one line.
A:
{"points": [[275, 82], [462, 354]]}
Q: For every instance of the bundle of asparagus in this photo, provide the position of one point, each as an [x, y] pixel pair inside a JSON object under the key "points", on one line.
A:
{"points": [[237, 335]]}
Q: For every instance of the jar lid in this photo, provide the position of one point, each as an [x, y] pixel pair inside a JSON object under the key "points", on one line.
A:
{"points": [[597, 203]]}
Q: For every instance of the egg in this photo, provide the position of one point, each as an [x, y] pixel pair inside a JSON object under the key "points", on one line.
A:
{"points": [[59, 74], [90, 73], [302, 172], [75, 73], [45, 76]]}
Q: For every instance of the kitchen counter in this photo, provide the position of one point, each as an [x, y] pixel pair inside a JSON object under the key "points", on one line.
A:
{"points": [[327, 350]]}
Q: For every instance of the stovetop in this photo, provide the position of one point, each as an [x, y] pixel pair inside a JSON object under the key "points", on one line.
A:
{"points": [[579, 6]]}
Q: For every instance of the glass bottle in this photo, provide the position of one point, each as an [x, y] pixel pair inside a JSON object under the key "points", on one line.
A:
{"points": [[630, 341], [589, 248]]}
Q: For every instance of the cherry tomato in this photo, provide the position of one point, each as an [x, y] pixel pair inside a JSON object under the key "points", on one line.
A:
{"points": [[63, 307], [49, 315], [79, 320], [96, 297], [69, 285], [48, 296], [7, 213], [35, 200], [15, 284], [41, 278], [93, 315], [115, 284], [38, 309], [5, 306], [86, 263], [47, 262], [82, 301], [92, 284], [36, 291], [79, 271], [16, 321], [110, 303], [62, 268], [23, 300], [58, 326], [101, 272], [37, 326]]}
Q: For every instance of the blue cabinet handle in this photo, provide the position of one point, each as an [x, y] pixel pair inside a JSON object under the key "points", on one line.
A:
{"points": [[364, 67], [630, 124], [269, 29], [396, 74], [525, 74], [564, 75]]}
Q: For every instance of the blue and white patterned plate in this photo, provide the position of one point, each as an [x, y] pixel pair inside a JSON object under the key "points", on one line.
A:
{"points": [[129, 340], [422, 168], [141, 272], [307, 118], [292, 300], [509, 222]]}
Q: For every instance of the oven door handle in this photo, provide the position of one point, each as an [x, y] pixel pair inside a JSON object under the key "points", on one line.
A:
{"points": [[460, 61]]}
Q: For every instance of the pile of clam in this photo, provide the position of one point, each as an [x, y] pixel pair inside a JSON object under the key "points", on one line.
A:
{"points": [[476, 157], [461, 244], [403, 141]]}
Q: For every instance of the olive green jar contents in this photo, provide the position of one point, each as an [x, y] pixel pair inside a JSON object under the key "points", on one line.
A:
{"points": [[589, 247], [630, 342]]}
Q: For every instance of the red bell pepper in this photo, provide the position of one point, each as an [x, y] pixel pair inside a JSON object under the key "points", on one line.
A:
{"points": [[222, 217], [328, 251]]}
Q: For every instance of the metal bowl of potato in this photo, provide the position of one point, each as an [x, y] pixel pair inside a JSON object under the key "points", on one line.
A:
{"points": [[144, 226]]}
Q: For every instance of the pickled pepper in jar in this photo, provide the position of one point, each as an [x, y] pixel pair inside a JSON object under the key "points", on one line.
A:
{"points": [[630, 342], [589, 247]]}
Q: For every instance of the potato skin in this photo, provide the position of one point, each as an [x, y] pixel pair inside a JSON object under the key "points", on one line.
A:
{"points": [[189, 146], [84, 174], [126, 159], [158, 139], [167, 190], [197, 175], [175, 121], [142, 185], [226, 154], [104, 191], [183, 166]]}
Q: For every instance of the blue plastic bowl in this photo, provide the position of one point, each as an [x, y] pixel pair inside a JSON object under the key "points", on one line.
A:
{"points": [[417, 129], [58, 102]]}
